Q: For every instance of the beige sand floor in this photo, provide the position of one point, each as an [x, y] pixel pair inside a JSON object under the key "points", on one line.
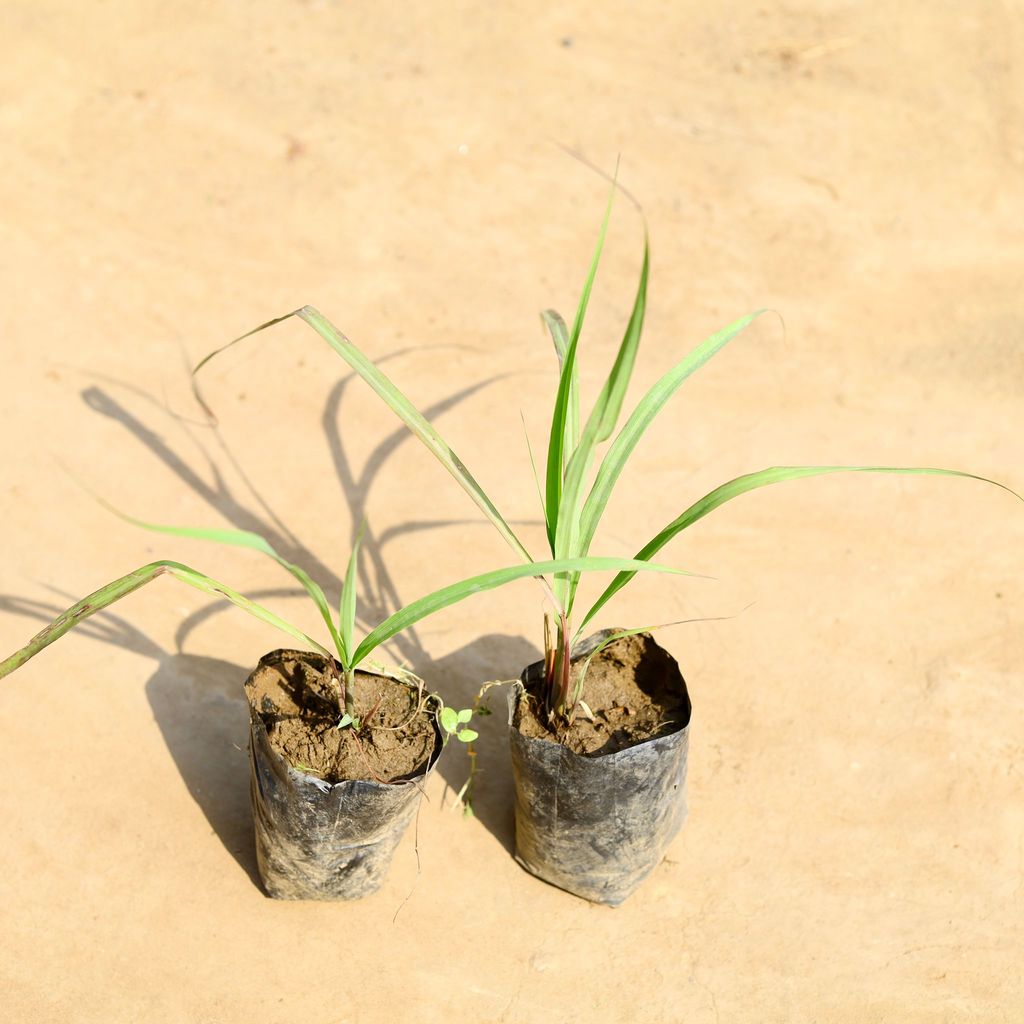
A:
{"points": [[177, 173]]}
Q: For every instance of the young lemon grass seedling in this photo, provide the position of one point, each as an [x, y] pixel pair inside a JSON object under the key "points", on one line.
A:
{"points": [[349, 653]]}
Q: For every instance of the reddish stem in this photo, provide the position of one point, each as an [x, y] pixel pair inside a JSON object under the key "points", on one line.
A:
{"points": [[562, 669]]}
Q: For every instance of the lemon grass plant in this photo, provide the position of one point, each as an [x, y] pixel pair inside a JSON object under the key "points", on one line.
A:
{"points": [[575, 493], [340, 625]]}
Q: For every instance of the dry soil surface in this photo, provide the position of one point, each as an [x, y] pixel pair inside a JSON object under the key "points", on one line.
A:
{"points": [[176, 174]]}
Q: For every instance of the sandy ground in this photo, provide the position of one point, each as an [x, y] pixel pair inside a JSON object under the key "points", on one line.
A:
{"points": [[176, 174]]}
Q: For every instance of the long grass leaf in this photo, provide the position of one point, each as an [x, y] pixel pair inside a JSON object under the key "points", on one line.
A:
{"points": [[609, 402], [750, 482], [533, 466], [126, 585], [413, 419], [640, 419], [347, 616], [223, 348], [560, 337], [600, 424], [455, 592], [398, 403], [558, 457], [244, 539]]}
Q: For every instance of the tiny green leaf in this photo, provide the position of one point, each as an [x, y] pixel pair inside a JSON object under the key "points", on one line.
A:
{"points": [[449, 719], [467, 735], [465, 715]]}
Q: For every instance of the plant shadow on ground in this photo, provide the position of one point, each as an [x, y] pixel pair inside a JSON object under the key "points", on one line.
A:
{"points": [[458, 677], [198, 706], [198, 702]]}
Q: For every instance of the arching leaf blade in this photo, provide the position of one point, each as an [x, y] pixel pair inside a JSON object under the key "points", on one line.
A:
{"points": [[395, 400], [640, 419], [347, 611], [119, 588], [243, 539], [413, 419], [609, 403], [455, 592], [569, 538], [560, 337], [223, 348], [750, 482]]}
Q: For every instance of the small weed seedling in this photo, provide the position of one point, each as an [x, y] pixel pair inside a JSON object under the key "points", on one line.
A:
{"points": [[456, 723]]}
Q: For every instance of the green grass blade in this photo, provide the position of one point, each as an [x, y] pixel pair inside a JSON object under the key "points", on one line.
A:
{"points": [[750, 482], [578, 687], [558, 457], [634, 428], [533, 466], [126, 585], [223, 348], [396, 401], [569, 540], [347, 616], [253, 541], [413, 419], [560, 336], [609, 402], [455, 592]]}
